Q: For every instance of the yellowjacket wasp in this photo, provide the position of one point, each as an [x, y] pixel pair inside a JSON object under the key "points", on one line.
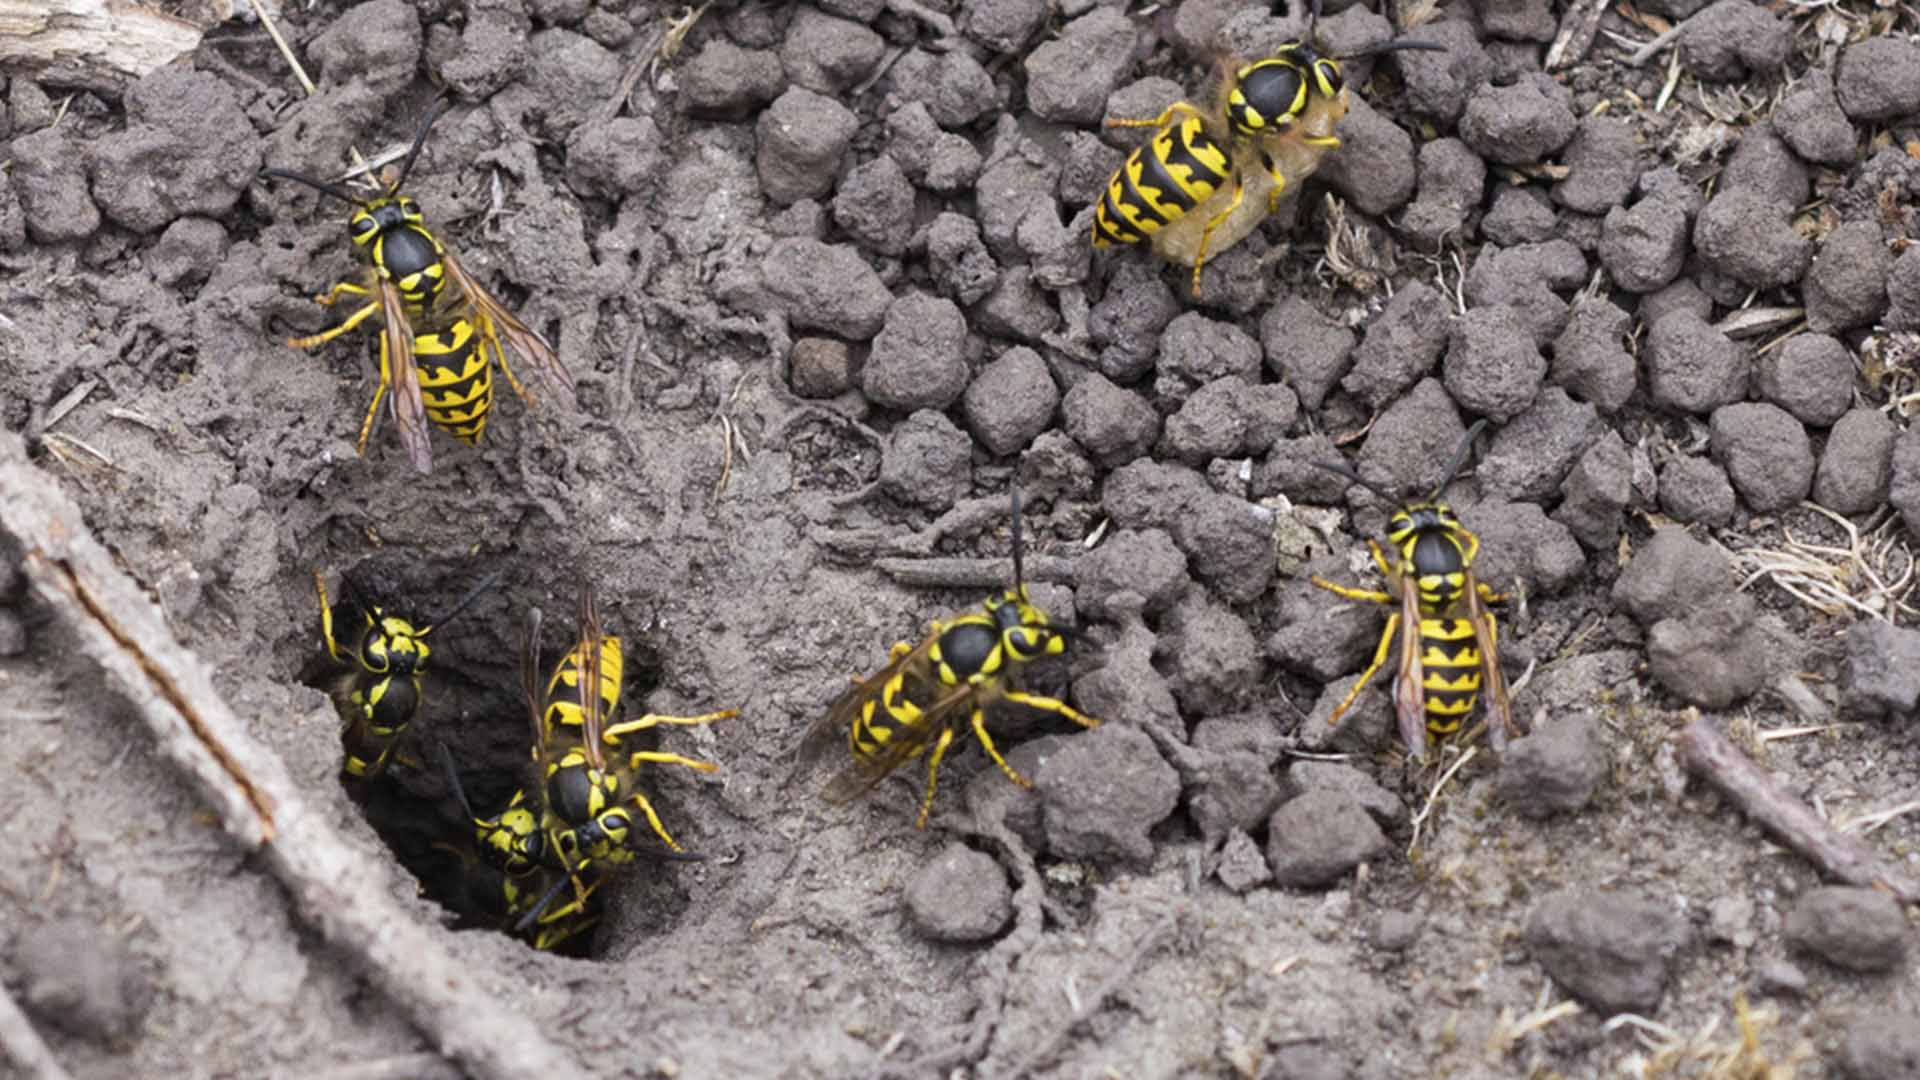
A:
{"points": [[437, 345], [577, 816], [929, 694], [388, 657], [1449, 654], [1268, 125]]}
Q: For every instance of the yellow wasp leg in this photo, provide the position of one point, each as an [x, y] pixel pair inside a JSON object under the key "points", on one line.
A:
{"points": [[933, 775], [1178, 108], [1492, 597], [1379, 658], [1052, 705], [326, 618], [1352, 594], [332, 296], [1206, 234], [613, 734], [986, 743], [325, 336], [659, 757], [490, 338], [379, 393], [653, 819]]}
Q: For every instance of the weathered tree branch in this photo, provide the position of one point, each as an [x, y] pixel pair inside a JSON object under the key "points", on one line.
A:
{"points": [[334, 888], [94, 43]]}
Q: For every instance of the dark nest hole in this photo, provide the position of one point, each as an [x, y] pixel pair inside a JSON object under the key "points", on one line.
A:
{"points": [[473, 724]]}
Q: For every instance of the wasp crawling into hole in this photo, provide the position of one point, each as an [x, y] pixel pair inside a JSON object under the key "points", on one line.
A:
{"points": [[387, 658], [579, 816], [1449, 656], [1268, 126], [931, 693], [441, 330]]}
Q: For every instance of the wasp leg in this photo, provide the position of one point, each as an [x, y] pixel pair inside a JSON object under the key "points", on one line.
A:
{"points": [[933, 776], [490, 338], [1352, 594], [1492, 597], [628, 727], [379, 392], [1379, 658], [661, 757], [1206, 234], [326, 619], [332, 296], [1052, 705], [325, 336], [986, 743], [653, 818], [1178, 108]]}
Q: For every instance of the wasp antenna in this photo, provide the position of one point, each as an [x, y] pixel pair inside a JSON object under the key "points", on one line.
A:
{"points": [[1346, 471], [1459, 456], [473, 594], [351, 592], [1019, 570], [453, 779], [540, 908], [530, 689], [440, 104], [1394, 46], [320, 186]]}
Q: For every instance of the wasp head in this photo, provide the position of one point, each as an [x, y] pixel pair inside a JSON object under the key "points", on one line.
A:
{"points": [[1026, 632], [392, 645], [1270, 94]]}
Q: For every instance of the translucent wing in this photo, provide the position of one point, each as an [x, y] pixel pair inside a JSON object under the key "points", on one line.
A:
{"points": [[587, 665], [497, 321], [409, 408], [1409, 695], [1493, 685]]}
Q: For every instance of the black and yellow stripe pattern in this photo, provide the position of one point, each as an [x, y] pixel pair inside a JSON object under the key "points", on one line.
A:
{"points": [[1175, 171]]}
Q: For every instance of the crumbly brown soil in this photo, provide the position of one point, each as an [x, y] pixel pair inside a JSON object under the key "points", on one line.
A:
{"points": [[225, 475]]}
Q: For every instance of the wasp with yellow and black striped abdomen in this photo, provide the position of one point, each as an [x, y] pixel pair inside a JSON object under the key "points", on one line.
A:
{"points": [[1209, 176], [388, 659], [442, 332], [1449, 656], [578, 816], [934, 692]]}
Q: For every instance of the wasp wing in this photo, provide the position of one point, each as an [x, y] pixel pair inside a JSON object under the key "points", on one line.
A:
{"points": [[587, 668], [409, 407], [1493, 684], [911, 670], [1409, 691], [497, 322]]}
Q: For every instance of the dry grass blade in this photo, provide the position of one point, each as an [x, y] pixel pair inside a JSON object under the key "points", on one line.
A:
{"points": [[1872, 574], [1508, 1029], [1433, 796], [1710, 1055], [1866, 823]]}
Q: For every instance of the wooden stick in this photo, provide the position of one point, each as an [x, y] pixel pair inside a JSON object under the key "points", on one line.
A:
{"points": [[333, 885], [1757, 794], [22, 1045], [1577, 30], [92, 43]]}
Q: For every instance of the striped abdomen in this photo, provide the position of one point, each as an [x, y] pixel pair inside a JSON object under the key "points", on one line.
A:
{"points": [[384, 706], [563, 711], [1159, 182], [1450, 672], [456, 379]]}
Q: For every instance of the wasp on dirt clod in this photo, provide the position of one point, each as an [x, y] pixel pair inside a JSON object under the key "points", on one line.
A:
{"points": [[1210, 175], [441, 330], [579, 816], [381, 691], [931, 693], [1449, 656]]}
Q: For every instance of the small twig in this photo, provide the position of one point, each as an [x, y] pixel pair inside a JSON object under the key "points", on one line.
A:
{"points": [[1866, 823], [1155, 936], [956, 572], [1578, 26], [286, 50], [133, 417], [69, 403], [1757, 794], [23, 1045], [1433, 796], [1645, 52]]}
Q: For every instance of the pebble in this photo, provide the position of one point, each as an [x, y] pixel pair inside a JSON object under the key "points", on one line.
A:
{"points": [[1103, 791], [1766, 453], [1671, 575], [960, 895], [1011, 401], [1319, 838], [1859, 929], [1852, 477], [1611, 950]]}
